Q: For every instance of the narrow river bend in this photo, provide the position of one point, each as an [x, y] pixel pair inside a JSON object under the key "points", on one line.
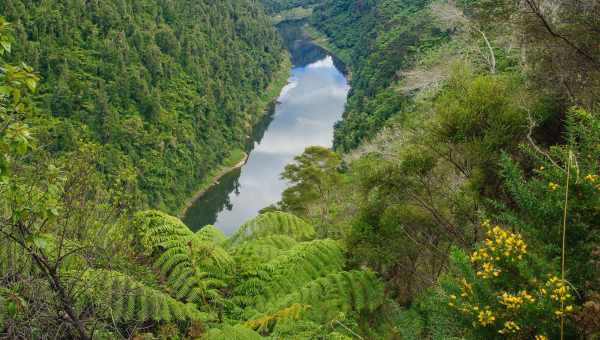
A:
{"points": [[306, 111]]}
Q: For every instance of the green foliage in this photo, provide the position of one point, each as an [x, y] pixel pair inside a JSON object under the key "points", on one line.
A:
{"points": [[276, 6], [273, 223], [304, 262], [499, 292], [343, 292], [121, 298], [140, 100], [312, 175], [212, 234], [191, 263], [382, 38], [540, 197], [269, 272], [561, 49], [238, 332], [150, 229], [166, 89], [17, 83], [262, 250]]}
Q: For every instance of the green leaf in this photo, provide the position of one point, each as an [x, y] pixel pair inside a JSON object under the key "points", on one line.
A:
{"points": [[5, 45], [5, 90], [11, 309], [31, 84], [40, 241]]}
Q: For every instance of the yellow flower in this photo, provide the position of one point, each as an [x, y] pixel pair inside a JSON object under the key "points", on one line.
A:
{"points": [[515, 302], [527, 296], [486, 318], [541, 337], [591, 178], [542, 168], [488, 271], [553, 186], [569, 309], [510, 327]]}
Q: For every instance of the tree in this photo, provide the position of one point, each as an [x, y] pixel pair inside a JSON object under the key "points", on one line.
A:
{"points": [[313, 176]]}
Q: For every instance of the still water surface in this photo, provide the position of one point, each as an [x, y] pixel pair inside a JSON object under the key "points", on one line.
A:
{"points": [[305, 114]]}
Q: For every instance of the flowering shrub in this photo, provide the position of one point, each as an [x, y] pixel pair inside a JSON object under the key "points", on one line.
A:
{"points": [[499, 292]]}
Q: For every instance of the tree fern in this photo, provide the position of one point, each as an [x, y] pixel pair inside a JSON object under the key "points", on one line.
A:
{"points": [[211, 233], [292, 269], [193, 264], [237, 332], [273, 223], [119, 297], [340, 292], [152, 228], [262, 250], [263, 323], [194, 268]]}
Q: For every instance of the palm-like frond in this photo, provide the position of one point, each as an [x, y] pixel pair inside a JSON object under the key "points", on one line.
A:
{"points": [[273, 223], [150, 229], [237, 332], [290, 270], [327, 296], [118, 297], [262, 250]]}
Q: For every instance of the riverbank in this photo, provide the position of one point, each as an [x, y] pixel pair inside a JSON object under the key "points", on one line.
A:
{"points": [[236, 160], [238, 157], [323, 41]]}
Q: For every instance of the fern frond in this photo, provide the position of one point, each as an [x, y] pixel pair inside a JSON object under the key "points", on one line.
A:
{"points": [[211, 233], [237, 332], [194, 268], [262, 250], [346, 291], [193, 264], [291, 270], [273, 223], [119, 297], [152, 228], [264, 323]]}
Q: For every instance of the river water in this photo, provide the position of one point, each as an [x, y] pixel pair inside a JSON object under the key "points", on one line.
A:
{"points": [[305, 113]]}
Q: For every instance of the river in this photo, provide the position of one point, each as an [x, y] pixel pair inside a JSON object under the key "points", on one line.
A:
{"points": [[305, 113]]}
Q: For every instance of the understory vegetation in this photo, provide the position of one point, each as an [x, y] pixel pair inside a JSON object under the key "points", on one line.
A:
{"points": [[461, 200]]}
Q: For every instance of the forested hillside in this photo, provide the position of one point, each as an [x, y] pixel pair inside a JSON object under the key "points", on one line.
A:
{"points": [[468, 168], [378, 39], [274, 6], [165, 90], [461, 201]]}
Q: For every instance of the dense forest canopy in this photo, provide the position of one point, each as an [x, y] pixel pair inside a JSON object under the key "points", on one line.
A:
{"points": [[274, 6], [165, 88], [461, 200]]}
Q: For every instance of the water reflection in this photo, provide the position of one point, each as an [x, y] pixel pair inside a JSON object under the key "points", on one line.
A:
{"points": [[307, 109]]}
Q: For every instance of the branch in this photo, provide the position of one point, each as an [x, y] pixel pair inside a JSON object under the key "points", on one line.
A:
{"points": [[489, 46], [532, 125], [54, 280], [538, 13]]}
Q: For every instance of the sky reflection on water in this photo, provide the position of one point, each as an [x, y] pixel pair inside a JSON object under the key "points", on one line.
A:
{"points": [[307, 110]]}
